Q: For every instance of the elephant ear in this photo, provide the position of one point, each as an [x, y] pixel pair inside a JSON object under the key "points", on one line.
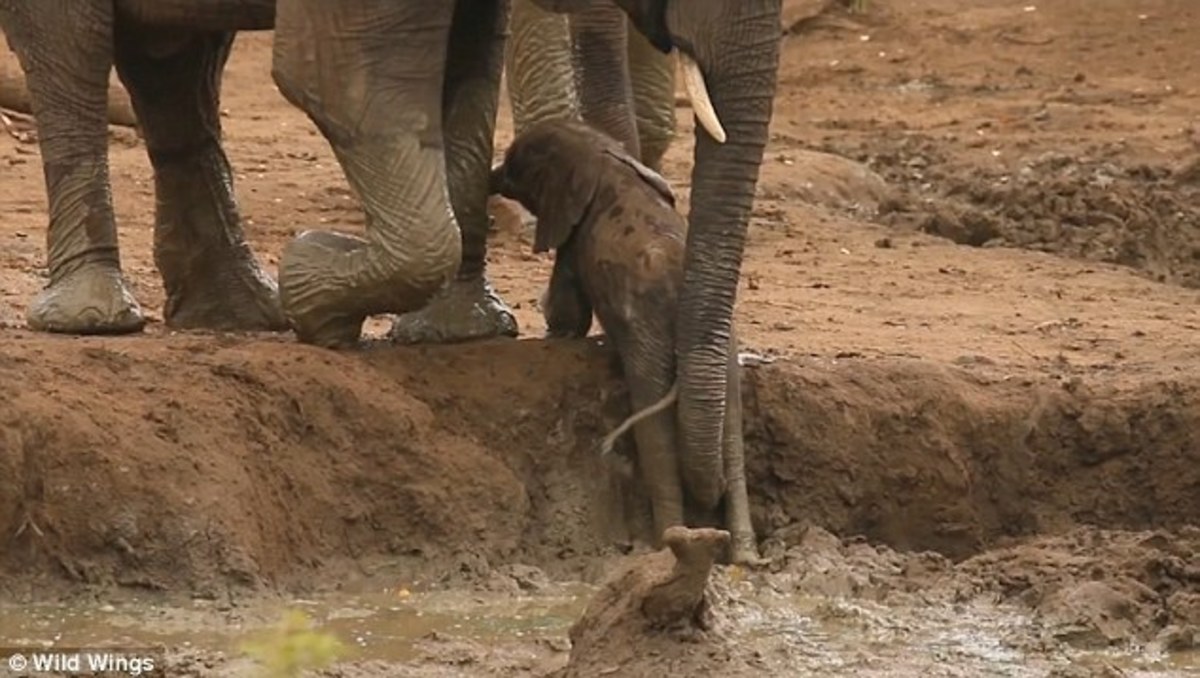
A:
{"points": [[656, 180], [562, 196]]}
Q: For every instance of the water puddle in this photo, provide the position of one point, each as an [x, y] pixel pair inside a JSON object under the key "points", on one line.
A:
{"points": [[833, 637], [378, 626]]}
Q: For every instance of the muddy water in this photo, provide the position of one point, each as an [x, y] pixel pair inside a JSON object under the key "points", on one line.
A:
{"points": [[378, 626], [847, 637], [834, 636]]}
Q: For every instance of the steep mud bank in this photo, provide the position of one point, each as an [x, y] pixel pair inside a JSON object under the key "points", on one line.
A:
{"points": [[197, 465]]}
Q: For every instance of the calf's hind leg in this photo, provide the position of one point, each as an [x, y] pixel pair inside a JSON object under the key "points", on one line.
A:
{"points": [[743, 548], [211, 277], [650, 380]]}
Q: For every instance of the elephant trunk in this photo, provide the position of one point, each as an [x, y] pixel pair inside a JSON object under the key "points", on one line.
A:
{"points": [[739, 57], [600, 38]]}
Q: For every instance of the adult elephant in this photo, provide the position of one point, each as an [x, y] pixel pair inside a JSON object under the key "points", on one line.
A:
{"points": [[550, 55], [733, 47], [405, 93]]}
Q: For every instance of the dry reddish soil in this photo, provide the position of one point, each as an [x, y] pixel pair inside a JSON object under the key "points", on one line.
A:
{"points": [[975, 260]]}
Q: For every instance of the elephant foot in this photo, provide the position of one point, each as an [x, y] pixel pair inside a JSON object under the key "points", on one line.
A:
{"points": [[466, 310], [228, 292], [743, 551], [309, 295], [93, 299]]}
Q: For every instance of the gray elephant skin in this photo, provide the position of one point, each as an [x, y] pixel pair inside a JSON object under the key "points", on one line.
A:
{"points": [[619, 253], [734, 47], [405, 91], [410, 121], [550, 57]]}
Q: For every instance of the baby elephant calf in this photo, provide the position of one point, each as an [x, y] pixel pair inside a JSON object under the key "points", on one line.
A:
{"points": [[619, 253]]}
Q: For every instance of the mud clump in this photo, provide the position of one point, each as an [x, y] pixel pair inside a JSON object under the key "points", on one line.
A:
{"points": [[1096, 588], [655, 614], [1089, 588]]}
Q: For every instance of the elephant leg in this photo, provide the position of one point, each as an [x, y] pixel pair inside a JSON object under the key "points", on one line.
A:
{"points": [[652, 76], [211, 277], [649, 372], [565, 304], [537, 64], [743, 546], [599, 36], [370, 74], [469, 308], [541, 77], [65, 50]]}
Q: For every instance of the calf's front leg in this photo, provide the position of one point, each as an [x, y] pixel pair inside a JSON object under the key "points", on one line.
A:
{"points": [[565, 305]]}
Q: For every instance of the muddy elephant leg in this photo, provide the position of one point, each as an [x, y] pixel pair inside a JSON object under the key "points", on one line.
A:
{"points": [[649, 373], [469, 308], [537, 66], [370, 74], [743, 546], [65, 49], [211, 277], [652, 76]]}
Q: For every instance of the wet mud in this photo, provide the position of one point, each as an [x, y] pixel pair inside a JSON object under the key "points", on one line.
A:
{"points": [[972, 299]]}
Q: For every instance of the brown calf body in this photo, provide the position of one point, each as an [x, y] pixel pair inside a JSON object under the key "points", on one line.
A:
{"points": [[619, 254]]}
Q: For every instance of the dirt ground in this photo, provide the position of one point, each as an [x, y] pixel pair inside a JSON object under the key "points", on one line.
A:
{"points": [[974, 268]]}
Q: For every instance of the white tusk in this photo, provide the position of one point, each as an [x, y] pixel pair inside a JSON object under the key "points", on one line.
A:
{"points": [[697, 91]]}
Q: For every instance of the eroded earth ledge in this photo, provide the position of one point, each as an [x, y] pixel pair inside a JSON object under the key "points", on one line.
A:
{"points": [[192, 465]]}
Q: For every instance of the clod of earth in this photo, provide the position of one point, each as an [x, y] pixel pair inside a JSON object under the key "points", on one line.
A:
{"points": [[651, 600]]}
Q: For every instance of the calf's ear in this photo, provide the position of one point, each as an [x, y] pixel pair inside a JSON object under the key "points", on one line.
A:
{"points": [[654, 179], [563, 196]]}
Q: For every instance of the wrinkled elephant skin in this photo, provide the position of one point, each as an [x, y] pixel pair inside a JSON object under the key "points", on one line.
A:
{"points": [[67, 51], [412, 85], [620, 253], [733, 46], [561, 66]]}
